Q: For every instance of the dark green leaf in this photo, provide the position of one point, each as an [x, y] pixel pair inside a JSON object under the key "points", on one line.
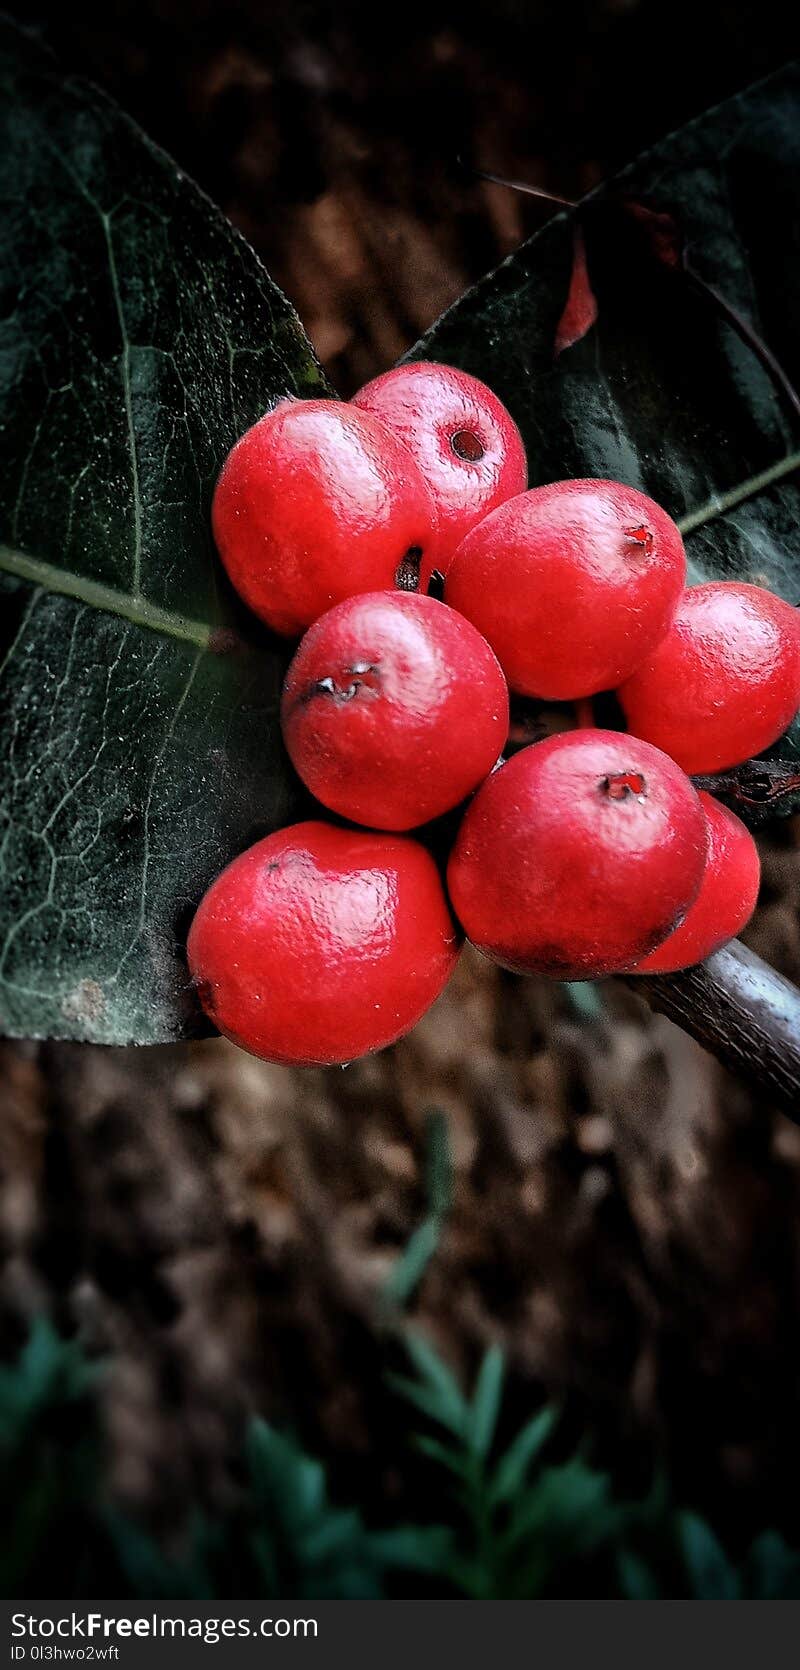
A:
{"points": [[636, 1579], [571, 1507], [709, 1571], [302, 1543], [280, 1473], [436, 1391], [150, 1571], [49, 1461], [424, 1548], [513, 1467], [662, 392], [771, 1569], [139, 336], [438, 1163], [423, 1243], [49, 1371], [413, 1262], [429, 1402], [456, 1460], [486, 1399]]}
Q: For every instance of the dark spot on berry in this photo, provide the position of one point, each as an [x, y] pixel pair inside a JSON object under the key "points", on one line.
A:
{"points": [[407, 572], [363, 675], [467, 445], [640, 536], [623, 784]]}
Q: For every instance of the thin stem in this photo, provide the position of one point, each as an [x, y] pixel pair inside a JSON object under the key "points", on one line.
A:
{"points": [[744, 1012], [518, 185]]}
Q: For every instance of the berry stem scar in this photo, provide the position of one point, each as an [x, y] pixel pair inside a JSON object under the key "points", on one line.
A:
{"points": [[624, 784]]}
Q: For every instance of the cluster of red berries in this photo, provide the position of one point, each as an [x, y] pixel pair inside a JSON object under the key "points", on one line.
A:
{"points": [[587, 854]]}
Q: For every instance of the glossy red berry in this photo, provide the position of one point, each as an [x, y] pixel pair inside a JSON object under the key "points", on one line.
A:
{"points": [[725, 681], [578, 856], [394, 708], [316, 502], [466, 444], [319, 944], [727, 897], [570, 583]]}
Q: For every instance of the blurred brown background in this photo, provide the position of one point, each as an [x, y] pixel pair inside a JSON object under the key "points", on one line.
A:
{"points": [[331, 135], [625, 1219]]}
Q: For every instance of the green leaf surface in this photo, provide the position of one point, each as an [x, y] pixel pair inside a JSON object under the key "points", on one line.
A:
{"points": [[424, 1242], [710, 1574], [661, 391], [571, 1505], [771, 1569], [436, 1391], [304, 1545], [414, 1548], [636, 1579], [139, 336], [486, 1400], [455, 1458], [512, 1469]]}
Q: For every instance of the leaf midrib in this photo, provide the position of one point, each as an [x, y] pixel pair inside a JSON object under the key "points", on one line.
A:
{"points": [[96, 595], [721, 503]]}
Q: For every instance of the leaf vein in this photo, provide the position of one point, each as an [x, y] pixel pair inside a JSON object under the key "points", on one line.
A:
{"points": [[721, 503], [97, 595]]}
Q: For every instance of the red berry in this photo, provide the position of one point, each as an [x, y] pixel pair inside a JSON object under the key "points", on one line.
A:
{"points": [[316, 502], [727, 897], [318, 944], [466, 444], [578, 856], [725, 681], [394, 709], [570, 583]]}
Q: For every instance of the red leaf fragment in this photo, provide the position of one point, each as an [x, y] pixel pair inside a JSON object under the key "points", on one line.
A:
{"points": [[661, 231], [580, 310]]}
